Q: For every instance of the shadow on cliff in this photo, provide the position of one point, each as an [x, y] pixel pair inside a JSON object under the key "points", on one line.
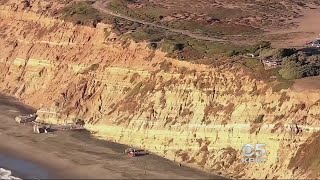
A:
{"points": [[307, 158]]}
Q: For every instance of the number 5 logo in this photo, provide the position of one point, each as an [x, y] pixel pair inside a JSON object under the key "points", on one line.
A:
{"points": [[260, 150]]}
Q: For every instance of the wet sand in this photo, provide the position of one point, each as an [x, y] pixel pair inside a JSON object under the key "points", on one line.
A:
{"points": [[75, 154], [22, 168]]}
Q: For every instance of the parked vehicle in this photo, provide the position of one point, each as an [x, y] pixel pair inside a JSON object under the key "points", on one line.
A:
{"points": [[314, 43], [134, 152]]}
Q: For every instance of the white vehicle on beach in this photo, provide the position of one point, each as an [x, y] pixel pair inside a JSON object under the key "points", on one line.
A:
{"points": [[315, 43]]}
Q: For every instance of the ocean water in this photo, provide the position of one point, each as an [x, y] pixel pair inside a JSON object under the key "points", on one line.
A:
{"points": [[16, 168], [7, 175]]}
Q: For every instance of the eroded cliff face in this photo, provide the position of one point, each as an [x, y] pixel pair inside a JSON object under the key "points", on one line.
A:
{"points": [[195, 114]]}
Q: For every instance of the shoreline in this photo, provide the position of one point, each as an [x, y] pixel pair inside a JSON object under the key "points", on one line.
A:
{"points": [[22, 168], [51, 166], [6, 173], [78, 155]]}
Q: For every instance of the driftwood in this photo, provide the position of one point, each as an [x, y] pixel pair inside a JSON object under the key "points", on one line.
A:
{"points": [[69, 126], [40, 128], [26, 119]]}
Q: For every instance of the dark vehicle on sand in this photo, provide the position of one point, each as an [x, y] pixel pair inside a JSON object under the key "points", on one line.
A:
{"points": [[131, 152]]}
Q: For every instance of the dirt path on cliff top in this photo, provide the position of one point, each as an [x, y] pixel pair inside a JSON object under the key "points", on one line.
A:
{"points": [[307, 27], [76, 155], [101, 6]]}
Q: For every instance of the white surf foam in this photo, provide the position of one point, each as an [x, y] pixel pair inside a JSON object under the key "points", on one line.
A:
{"points": [[7, 175]]}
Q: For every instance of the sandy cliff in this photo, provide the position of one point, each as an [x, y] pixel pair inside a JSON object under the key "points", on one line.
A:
{"points": [[194, 114]]}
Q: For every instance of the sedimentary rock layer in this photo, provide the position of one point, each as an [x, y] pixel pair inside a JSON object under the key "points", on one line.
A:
{"points": [[191, 113]]}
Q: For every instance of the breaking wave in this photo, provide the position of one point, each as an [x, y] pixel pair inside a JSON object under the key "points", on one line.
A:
{"points": [[7, 175]]}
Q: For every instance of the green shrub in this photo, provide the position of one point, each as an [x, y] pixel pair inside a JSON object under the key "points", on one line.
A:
{"points": [[139, 36], [259, 46], [232, 53], [179, 46], [291, 70], [253, 63], [167, 47], [81, 9], [153, 45], [81, 13], [281, 53], [310, 70]]}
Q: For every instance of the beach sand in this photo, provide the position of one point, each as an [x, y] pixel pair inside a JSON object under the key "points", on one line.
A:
{"points": [[74, 154]]}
